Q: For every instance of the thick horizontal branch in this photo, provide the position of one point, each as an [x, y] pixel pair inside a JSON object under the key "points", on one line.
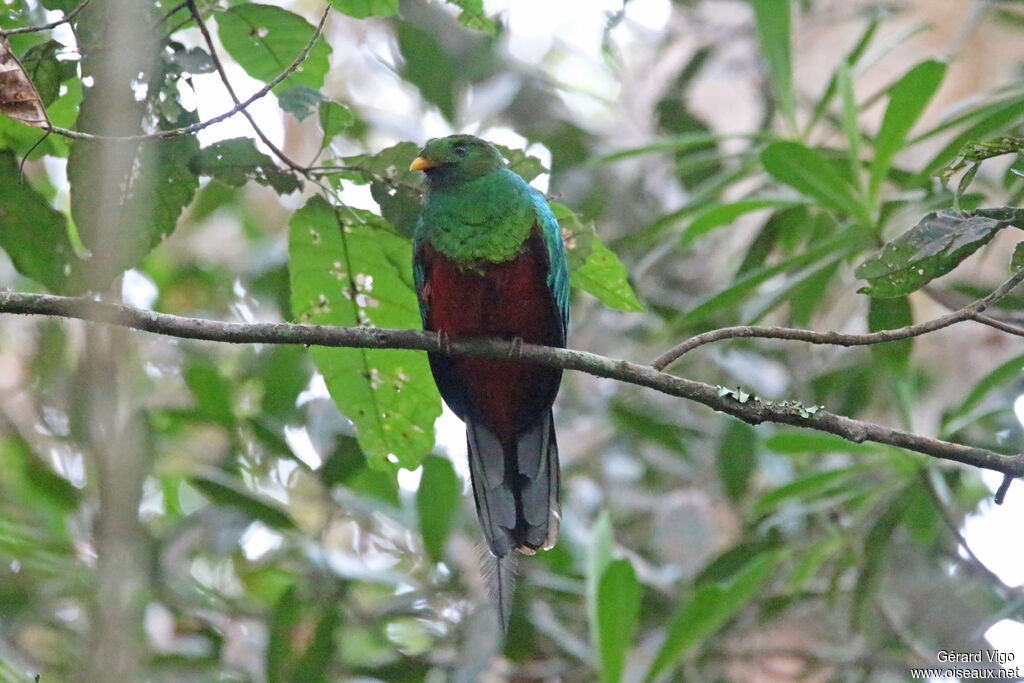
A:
{"points": [[751, 410], [971, 311]]}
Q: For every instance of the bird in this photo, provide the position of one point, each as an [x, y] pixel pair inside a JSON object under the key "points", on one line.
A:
{"points": [[489, 261]]}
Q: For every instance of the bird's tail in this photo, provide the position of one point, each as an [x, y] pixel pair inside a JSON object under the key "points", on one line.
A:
{"points": [[500, 579], [516, 489]]}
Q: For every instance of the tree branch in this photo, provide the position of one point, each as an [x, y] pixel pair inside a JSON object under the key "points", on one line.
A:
{"points": [[971, 311], [747, 408]]}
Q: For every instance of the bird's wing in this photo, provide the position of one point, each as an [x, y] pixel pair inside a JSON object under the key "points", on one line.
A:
{"points": [[558, 274]]}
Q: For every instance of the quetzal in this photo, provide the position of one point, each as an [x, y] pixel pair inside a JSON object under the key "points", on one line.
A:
{"points": [[489, 261]]}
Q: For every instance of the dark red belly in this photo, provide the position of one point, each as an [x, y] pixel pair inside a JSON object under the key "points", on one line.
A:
{"points": [[507, 300]]}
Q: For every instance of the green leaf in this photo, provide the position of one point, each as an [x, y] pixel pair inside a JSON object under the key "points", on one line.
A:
{"points": [[519, 162], [33, 233], [993, 118], [790, 443], [212, 393], [604, 276], [265, 40], [771, 18], [284, 374], [334, 118], [230, 493], [722, 214], [429, 67], [474, 17], [618, 612], [888, 314], [1017, 260], [599, 558], [1007, 372], [737, 457], [360, 9], [807, 171], [45, 71], [846, 65], [236, 161], [711, 608], [437, 499], [812, 486], [351, 269], [300, 101], [393, 186], [875, 550], [907, 99], [155, 190], [932, 248], [833, 247], [844, 81]]}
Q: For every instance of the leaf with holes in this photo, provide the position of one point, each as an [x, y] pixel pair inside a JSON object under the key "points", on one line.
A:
{"points": [[350, 268], [265, 40], [235, 161], [930, 249]]}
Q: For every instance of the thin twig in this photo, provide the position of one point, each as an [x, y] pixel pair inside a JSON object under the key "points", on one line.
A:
{"points": [[1004, 488], [194, 11], [968, 312], [749, 409], [196, 127], [46, 27], [998, 324]]}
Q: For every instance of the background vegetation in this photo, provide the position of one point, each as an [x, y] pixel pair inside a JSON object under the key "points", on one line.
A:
{"points": [[183, 510]]}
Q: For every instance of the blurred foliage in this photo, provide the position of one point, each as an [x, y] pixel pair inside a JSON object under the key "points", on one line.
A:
{"points": [[302, 524]]}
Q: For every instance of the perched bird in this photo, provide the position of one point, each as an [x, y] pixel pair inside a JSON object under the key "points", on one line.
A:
{"points": [[489, 261]]}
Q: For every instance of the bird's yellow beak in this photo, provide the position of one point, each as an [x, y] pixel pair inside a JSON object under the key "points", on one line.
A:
{"points": [[421, 164]]}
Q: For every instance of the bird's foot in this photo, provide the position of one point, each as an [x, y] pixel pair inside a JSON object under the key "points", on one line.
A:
{"points": [[515, 350], [444, 341]]}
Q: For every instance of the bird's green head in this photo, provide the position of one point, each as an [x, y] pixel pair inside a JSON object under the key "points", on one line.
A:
{"points": [[456, 159]]}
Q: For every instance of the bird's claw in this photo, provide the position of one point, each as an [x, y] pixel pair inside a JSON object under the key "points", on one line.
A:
{"points": [[444, 341], [515, 350]]}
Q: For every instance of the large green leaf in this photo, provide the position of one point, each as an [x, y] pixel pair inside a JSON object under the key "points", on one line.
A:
{"points": [[772, 19], [807, 171], [712, 606], [265, 40], [932, 248], [437, 499], [33, 233], [235, 161], [349, 268], [907, 99]]}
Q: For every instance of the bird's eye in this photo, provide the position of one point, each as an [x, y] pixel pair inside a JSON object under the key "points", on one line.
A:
{"points": [[460, 150]]}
